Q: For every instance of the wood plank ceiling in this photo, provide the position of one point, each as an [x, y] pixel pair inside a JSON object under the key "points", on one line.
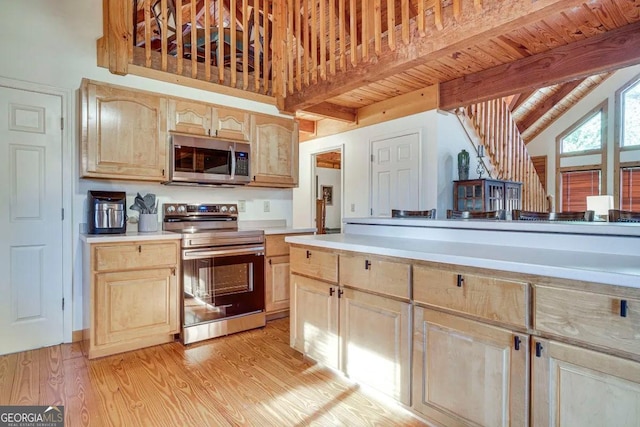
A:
{"points": [[567, 24]]}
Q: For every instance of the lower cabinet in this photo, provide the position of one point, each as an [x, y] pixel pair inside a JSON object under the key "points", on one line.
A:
{"points": [[277, 284], [572, 386], [314, 319], [467, 372]]}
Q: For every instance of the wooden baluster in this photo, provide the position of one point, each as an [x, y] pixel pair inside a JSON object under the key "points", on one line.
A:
{"points": [[322, 33], [353, 36], [364, 25], [457, 9], [163, 41], [220, 51], [297, 50], [377, 26], [437, 14], [314, 44], [406, 25], [478, 5], [305, 41], [421, 18], [289, 52], [194, 41], [147, 33], [207, 40], [268, 52], [233, 37], [391, 24], [257, 47], [332, 37], [343, 35], [245, 45]]}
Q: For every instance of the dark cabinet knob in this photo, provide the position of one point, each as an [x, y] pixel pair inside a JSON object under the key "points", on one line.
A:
{"points": [[367, 265], [624, 307], [460, 280], [308, 254]]}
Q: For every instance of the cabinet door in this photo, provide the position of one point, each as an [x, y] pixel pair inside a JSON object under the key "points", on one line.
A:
{"points": [[123, 134], [189, 117], [314, 319], [376, 342], [577, 387], [274, 151], [134, 305], [230, 123], [378, 275], [467, 372], [277, 284]]}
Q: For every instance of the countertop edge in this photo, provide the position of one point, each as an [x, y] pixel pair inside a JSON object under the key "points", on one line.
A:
{"points": [[129, 237]]}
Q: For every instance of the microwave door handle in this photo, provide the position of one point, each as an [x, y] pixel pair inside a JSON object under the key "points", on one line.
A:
{"points": [[233, 162]]}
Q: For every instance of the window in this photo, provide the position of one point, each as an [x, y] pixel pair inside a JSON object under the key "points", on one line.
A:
{"points": [[630, 188], [630, 131], [576, 186], [586, 136]]}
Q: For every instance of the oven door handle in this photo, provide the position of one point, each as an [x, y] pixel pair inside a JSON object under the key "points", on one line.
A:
{"points": [[207, 253]]}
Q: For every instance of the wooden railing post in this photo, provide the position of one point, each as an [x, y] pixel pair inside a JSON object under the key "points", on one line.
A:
{"points": [[117, 28]]}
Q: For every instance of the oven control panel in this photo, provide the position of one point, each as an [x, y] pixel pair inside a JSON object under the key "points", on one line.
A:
{"points": [[186, 209]]}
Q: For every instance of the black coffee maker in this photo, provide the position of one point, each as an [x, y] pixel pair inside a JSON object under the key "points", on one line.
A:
{"points": [[106, 212]]}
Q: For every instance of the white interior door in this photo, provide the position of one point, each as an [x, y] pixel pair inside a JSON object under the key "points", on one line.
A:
{"points": [[395, 174], [30, 220]]}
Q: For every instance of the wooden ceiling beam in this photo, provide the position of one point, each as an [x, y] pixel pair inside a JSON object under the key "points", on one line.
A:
{"points": [[306, 126], [535, 114], [496, 18], [605, 52], [333, 111], [520, 99]]}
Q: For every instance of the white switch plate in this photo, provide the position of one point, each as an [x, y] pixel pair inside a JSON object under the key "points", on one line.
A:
{"points": [[353, 207], [267, 206], [242, 205]]}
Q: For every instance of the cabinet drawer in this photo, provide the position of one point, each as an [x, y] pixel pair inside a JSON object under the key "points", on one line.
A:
{"points": [[135, 255], [589, 317], [315, 263], [275, 245], [376, 275], [486, 297]]}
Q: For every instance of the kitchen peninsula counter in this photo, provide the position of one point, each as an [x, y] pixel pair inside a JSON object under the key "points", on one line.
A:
{"points": [[568, 251]]}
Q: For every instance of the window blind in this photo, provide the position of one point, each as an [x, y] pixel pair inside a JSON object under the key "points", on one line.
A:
{"points": [[576, 186], [630, 189]]}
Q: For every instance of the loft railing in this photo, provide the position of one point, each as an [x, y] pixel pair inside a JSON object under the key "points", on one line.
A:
{"points": [[270, 47], [497, 132]]}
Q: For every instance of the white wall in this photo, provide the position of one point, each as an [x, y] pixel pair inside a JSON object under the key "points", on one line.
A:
{"points": [[333, 178], [53, 43], [441, 136], [545, 143]]}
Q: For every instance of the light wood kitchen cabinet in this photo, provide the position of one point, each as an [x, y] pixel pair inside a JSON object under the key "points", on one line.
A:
{"points": [[376, 336], [376, 274], [469, 373], [207, 119], [131, 295], [314, 262], [572, 386], [274, 151], [314, 319], [488, 297], [124, 134]]}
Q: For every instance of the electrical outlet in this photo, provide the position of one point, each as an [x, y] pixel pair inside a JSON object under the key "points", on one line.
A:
{"points": [[353, 207], [267, 206], [242, 205]]}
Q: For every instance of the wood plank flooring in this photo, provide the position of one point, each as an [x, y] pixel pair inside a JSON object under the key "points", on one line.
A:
{"points": [[250, 378]]}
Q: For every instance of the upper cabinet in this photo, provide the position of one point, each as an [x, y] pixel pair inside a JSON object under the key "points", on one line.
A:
{"points": [[274, 151], [210, 120], [124, 134]]}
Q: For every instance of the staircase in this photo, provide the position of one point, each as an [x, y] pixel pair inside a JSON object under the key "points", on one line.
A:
{"points": [[490, 124]]}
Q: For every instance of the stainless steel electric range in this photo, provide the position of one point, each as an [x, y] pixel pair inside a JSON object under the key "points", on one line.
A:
{"points": [[222, 270]]}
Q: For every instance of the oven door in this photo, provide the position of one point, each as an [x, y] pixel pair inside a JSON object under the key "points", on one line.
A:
{"points": [[222, 283]]}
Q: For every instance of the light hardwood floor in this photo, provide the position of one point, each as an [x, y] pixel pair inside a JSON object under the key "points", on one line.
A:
{"points": [[251, 378]]}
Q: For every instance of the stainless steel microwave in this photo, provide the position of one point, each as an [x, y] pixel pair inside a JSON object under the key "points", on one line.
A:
{"points": [[203, 160]]}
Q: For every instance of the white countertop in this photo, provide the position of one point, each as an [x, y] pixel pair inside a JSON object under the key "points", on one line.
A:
{"points": [[273, 226], [129, 236], [288, 230], [623, 270]]}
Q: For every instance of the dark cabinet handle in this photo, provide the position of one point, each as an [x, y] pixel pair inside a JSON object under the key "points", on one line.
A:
{"points": [[539, 349], [460, 280], [367, 265], [139, 249], [340, 292], [308, 254], [516, 343], [269, 261], [331, 291], [624, 306]]}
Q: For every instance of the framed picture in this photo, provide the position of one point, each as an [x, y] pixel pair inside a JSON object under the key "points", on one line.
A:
{"points": [[327, 194]]}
